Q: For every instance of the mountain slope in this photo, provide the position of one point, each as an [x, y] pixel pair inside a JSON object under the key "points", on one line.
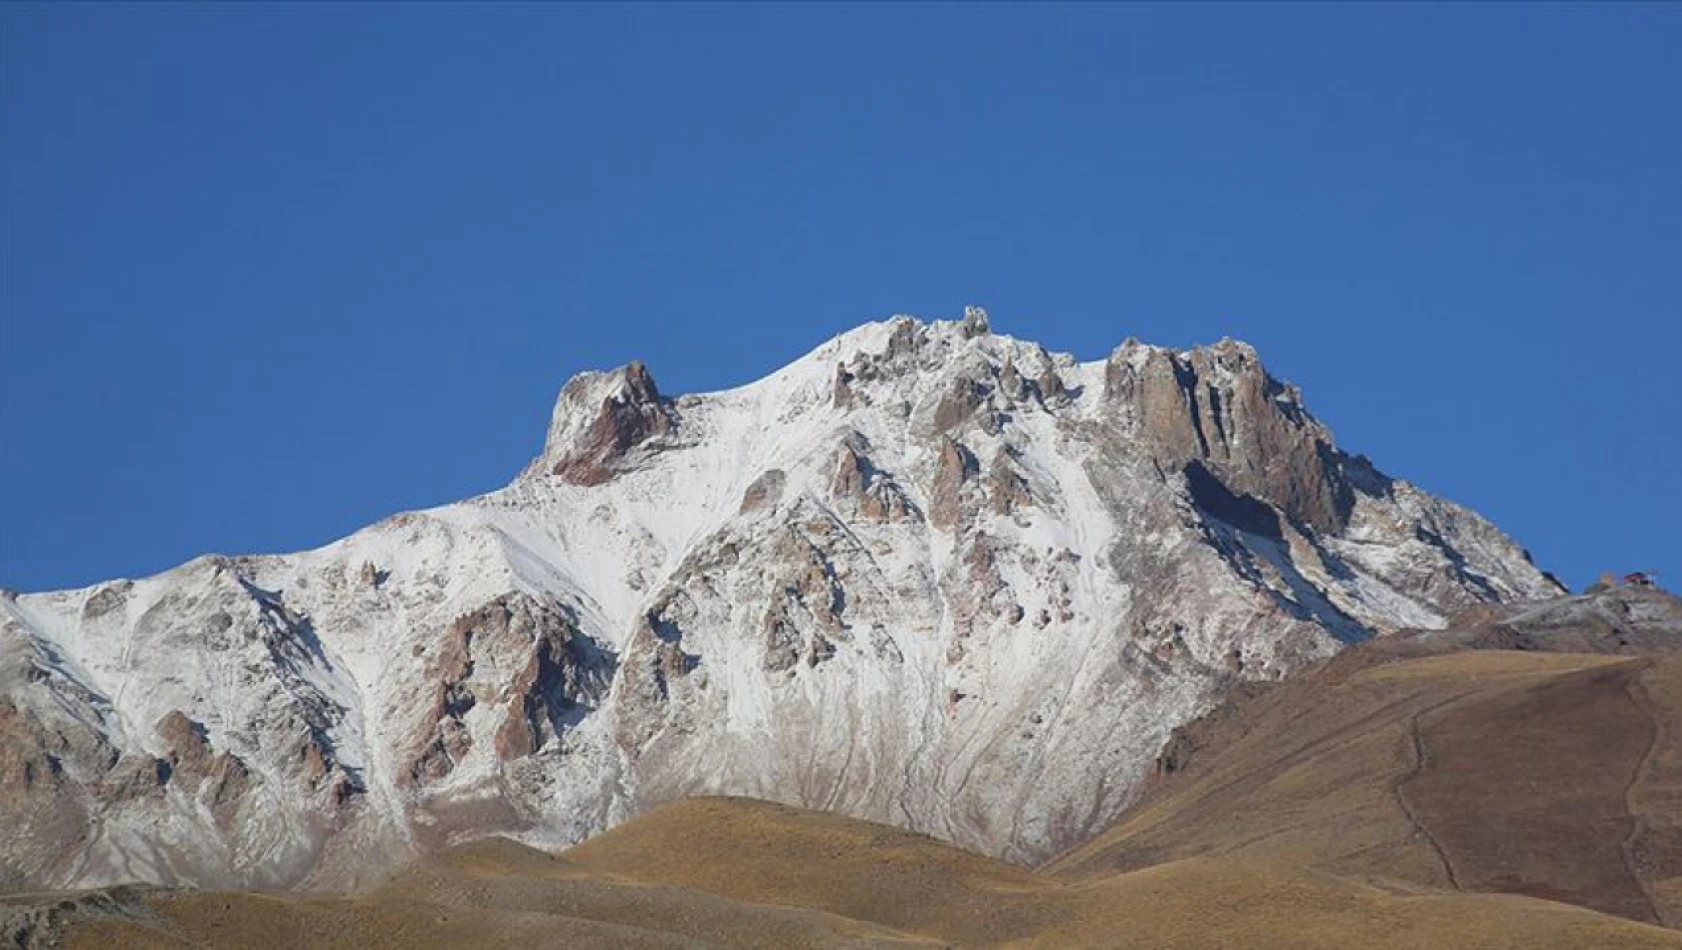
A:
{"points": [[739, 873], [927, 575], [1450, 760]]}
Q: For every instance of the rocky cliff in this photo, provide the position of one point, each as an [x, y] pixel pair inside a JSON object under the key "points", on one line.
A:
{"points": [[926, 574]]}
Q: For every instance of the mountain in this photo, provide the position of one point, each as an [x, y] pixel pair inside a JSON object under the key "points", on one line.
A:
{"points": [[746, 874], [1510, 781], [1533, 750], [926, 575]]}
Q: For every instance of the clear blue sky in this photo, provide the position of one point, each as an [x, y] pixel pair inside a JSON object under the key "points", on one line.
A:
{"points": [[271, 273]]}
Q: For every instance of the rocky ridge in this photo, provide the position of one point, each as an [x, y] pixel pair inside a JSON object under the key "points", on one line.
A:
{"points": [[927, 574]]}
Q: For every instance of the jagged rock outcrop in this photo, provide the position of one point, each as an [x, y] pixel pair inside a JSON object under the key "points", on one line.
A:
{"points": [[522, 663], [927, 574], [191, 763], [954, 469], [859, 489], [600, 419], [1219, 409]]}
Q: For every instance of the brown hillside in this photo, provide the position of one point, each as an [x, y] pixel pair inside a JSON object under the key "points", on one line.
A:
{"points": [[1552, 775], [771, 854], [737, 873]]}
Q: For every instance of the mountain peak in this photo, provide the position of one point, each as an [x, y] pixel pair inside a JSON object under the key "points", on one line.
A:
{"points": [[879, 578], [599, 419]]}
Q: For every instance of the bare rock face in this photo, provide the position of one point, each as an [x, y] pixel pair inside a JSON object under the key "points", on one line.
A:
{"points": [[1007, 486], [954, 470], [563, 678], [38, 804], [1219, 408], [963, 396], [765, 492], [522, 662], [1051, 385], [928, 574], [865, 491], [600, 419], [654, 685], [185, 741]]}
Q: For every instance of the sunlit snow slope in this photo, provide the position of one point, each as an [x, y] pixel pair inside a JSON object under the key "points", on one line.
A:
{"points": [[926, 574]]}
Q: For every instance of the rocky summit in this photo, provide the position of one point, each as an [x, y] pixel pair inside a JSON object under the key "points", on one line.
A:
{"points": [[926, 575]]}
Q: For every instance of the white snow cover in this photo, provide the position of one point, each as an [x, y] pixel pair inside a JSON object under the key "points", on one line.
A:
{"points": [[926, 574]]}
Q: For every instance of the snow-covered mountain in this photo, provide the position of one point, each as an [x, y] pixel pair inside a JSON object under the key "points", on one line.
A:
{"points": [[926, 574]]}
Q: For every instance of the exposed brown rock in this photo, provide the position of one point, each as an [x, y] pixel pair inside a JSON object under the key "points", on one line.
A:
{"points": [[902, 341], [1267, 442], [553, 681], [27, 766], [1011, 382], [134, 776], [628, 416], [455, 658], [449, 743], [963, 396], [954, 467], [220, 778], [316, 758], [653, 675], [1159, 391], [852, 473], [40, 809], [859, 486], [228, 780], [188, 749], [443, 740], [987, 596], [803, 620], [515, 738], [554, 671], [370, 575], [1051, 385], [1007, 489], [673, 662], [1218, 405]]}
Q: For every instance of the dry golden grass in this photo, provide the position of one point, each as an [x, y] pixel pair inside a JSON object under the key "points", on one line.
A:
{"points": [[762, 853], [1552, 775], [739, 873], [1213, 903], [495, 894]]}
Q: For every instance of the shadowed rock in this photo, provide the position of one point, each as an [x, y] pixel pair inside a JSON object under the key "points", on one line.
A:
{"points": [[1219, 406]]}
